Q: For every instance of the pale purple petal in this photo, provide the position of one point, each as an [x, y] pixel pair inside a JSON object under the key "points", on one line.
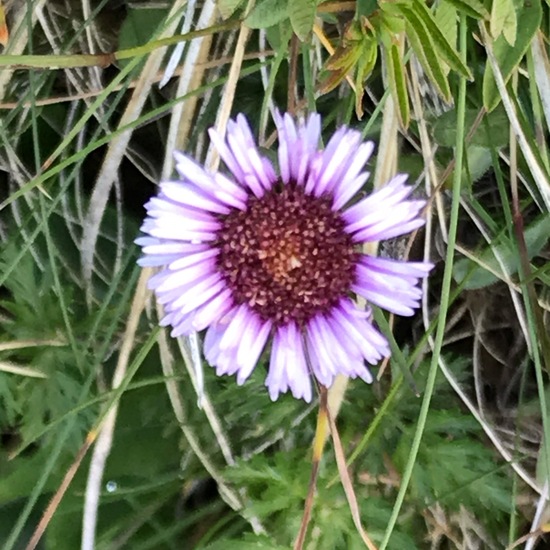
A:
{"points": [[192, 259], [395, 267], [287, 367], [199, 293], [358, 326], [226, 155], [192, 274], [337, 157], [320, 363], [158, 246], [399, 302], [287, 137], [192, 196], [254, 171], [396, 214], [250, 350], [347, 187], [387, 230], [298, 146], [384, 199], [391, 284], [213, 311], [350, 190], [235, 328], [212, 339], [214, 185]]}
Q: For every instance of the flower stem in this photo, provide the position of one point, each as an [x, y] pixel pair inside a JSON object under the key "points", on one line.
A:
{"points": [[318, 445]]}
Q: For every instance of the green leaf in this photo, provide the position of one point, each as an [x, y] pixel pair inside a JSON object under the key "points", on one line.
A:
{"points": [[228, 7], [357, 50], [138, 27], [391, 22], [473, 8], [339, 65], [542, 468], [493, 134], [302, 15], [344, 58], [444, 48], [398, 83], [365, 8], [423, 48], [504, 20], [267, 13], [447, 20], [536, 236], [365, 65], [529, 17]]}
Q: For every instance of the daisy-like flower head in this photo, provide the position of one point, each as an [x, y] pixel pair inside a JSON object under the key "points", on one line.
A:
{"points": [[258, 257]]}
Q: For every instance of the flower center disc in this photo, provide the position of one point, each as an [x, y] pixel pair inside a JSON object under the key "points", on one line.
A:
{"points": [[287, 255]]}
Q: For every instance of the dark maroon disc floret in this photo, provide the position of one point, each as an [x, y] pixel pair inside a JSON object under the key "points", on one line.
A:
{"points": [[287, 255]]}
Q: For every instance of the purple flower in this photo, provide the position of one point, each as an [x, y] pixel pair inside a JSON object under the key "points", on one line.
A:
{"points": [[258, 257]]}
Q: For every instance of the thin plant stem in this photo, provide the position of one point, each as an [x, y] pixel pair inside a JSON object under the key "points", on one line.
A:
{"points": [[318, 445], [444, 300], [105, 59]]}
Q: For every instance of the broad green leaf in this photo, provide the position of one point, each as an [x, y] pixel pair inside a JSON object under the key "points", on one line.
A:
{"points": [[422, 46], [529, 18], [504, 20], [473, 8], [278, 37], [302, 15], [493, 134], [536, 237], [479, 160], [444, 48], [267, 13], [228, 7]]}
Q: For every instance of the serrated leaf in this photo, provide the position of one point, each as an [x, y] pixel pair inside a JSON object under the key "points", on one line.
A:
{"points": [[473, 8], [444, 49], [495, 133], [536, 236], [267, 13], [423, 48], [302, 15], [398, 83], [503, 20], [529, 18], [228, 7]]}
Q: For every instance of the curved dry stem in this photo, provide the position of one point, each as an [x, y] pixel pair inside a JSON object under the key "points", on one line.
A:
{"points": [[104, 442]]}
